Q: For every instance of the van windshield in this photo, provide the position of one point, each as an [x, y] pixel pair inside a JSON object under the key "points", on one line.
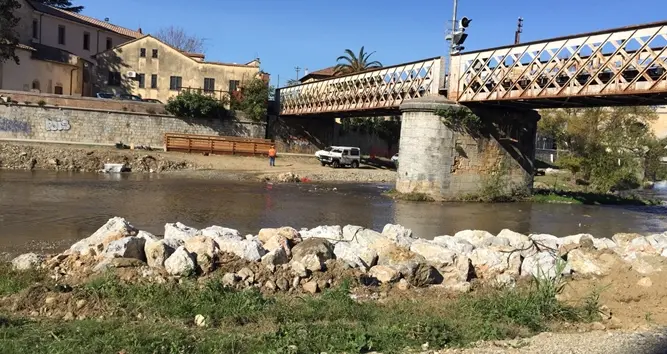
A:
{"points": [[337, 150]]}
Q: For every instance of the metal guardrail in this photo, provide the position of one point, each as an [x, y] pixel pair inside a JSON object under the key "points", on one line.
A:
{"points": [[216, 145], [384, 88]]}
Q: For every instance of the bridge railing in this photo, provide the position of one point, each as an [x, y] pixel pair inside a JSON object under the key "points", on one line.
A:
{"points": [[383, 88], [624, 61]]}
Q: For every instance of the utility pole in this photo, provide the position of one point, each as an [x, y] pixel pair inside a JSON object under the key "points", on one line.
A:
{"points": [[297, 72], [519, 30], [454, 23]]}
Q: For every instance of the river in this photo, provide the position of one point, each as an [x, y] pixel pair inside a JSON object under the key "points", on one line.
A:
{"points": [[47, 210]]}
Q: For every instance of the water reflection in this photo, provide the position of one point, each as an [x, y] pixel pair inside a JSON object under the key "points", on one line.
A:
{"points": [[48, 208]]}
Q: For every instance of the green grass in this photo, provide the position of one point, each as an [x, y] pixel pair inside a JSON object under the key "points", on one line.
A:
{"points": [[12, 282], [249, 322], [411, 197]]}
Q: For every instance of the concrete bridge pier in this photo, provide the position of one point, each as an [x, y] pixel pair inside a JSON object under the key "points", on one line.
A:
{"points": [[447, 153]]}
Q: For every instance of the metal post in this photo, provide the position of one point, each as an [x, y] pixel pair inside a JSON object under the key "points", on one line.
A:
{"points": [[297, 72], [451, 44], [517, 34]]}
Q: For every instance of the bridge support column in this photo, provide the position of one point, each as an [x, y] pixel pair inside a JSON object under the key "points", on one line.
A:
{"points": [[490, 152]]}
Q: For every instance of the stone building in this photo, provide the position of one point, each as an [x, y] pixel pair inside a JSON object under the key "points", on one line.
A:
{"points": [[56, 50], [151, 68]]}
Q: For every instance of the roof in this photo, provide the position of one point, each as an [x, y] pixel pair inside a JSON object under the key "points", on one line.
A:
{"points": [[190, 56], [194, 55], [75, 17], [326, 72], [25, 47]]}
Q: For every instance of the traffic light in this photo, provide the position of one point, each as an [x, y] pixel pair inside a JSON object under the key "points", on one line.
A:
{"points": [[459, 37], [464, 22]]}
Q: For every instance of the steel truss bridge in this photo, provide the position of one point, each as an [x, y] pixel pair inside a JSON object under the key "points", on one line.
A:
{"points": [[622, 66]]}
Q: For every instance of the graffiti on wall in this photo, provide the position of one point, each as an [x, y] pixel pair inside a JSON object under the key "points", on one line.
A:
{"points": [[14, 126], [56, 125], [300, 142]]}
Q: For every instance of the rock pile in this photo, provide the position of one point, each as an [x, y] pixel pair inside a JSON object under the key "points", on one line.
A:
{"points": [[280, 259]]}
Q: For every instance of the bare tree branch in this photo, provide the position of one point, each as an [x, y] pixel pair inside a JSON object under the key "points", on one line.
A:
{"points": [[178, 38]]}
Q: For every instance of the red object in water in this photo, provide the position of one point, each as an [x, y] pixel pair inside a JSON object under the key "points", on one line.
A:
{"points": [[305, 180]]}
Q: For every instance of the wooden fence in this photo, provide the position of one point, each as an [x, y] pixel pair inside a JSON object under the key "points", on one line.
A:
{"points": [[217, 145]]}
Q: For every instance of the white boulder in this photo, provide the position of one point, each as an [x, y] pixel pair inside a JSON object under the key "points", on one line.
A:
{"points": [[114, 229], [333, 233], [384, 274], [477, 238], [178, 232], [27, 261], [435, 253], [399, 234], [355, 256], [180, 263], [455, 244], [157, 253]]}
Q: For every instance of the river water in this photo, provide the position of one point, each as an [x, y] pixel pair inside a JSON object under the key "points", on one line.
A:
{"points": [[49, 210]]}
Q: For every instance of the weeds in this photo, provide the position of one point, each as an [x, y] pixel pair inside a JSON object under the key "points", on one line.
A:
{"points": [[41, 103], [249, 322], [411, 197], [12, 281]]}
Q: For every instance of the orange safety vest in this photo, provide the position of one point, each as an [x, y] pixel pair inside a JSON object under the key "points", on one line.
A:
{"points": [[272, 152]]}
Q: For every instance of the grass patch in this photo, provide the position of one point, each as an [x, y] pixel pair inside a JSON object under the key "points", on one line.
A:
{"points": [[12, 282], [590, 198], [412, 197], [249, 322]]}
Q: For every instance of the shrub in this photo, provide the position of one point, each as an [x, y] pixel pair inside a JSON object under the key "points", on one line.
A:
{"points": [[41, 103], [254, 100], [195, 105]]}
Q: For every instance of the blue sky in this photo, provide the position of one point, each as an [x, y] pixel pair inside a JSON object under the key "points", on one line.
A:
{"points": [[313, 33]]}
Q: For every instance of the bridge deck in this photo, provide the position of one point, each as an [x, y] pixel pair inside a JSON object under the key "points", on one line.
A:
{"points": [[624, 66]]}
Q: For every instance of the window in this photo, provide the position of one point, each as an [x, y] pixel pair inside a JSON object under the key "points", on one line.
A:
{"points": [[142, 52], [35, 29], [35, 85], [154, 53], [114, 78], [354, 152], [109, 43], [142, 80], [61, 35], [175, 82], [86, 41], [58, 90], [234, 85], [209, 85], [154, 81]]}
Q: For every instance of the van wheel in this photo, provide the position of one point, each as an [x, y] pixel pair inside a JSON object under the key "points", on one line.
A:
{"points": [[335, 164], [355, 164], [323, 163]]}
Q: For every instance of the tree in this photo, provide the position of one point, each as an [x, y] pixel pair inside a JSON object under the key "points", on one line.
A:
{"points": [[62, 4], [607, 146], [195, 105], [178, 38], [8, 36], [292, 82], [254, 99], [353, 63]]}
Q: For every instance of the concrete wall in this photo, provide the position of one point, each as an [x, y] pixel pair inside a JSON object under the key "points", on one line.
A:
{"points": [[46, 74], [449, 163], [170, 62], [18, 121], [84, 102], [303, 135]]}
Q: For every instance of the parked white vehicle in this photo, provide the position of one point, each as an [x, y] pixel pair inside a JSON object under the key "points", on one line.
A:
{"points": [[341, 156], [324, 151]]}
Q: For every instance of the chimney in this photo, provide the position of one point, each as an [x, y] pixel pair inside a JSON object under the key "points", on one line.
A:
{"points": [[305, 71], [140, 31]]}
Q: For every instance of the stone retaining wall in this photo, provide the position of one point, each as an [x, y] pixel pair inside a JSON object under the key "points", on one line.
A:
{"points": [[95, 126]]}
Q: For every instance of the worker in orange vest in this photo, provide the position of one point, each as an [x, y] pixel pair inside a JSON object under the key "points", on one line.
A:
{"points": [[272, 156]]}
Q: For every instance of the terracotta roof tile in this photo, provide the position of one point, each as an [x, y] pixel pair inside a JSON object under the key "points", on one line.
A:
{"points": [[73, 16]]}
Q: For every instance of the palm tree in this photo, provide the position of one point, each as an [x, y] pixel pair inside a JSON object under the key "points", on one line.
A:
{"points": [[352, 63]]}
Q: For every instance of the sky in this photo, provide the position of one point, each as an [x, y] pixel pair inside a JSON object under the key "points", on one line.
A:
{"points": [[311, 34]]}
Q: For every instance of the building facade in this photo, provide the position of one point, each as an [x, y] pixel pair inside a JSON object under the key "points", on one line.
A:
{"points": [[56, 50], [150, 68]]}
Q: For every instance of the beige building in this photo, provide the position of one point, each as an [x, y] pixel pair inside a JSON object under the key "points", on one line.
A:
{"points": [[56, 50], [150, 68]]}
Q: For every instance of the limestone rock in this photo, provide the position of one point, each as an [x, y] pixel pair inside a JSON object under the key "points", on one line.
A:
{"points": [[425, 275], [433, 252], [544, 242], [584, 263], [399, 234], [204, 250], [645, 282], [460, 271], [477, 238], [622, 240], [250, 250], [178, 232], [229, 279], [275, 258], [401, 259], [603, 244], [403, 285], [270, 285], [311, 287], [515, 239], [299, 269], [574, 239], [108, 263], [127, 247], [350, 232], [246, 274], [220, 232], [384, 274], [489, 263], [315, 246], [286, 232], [312, 262], [282, 284], [658, 242], [157, 253], [200, 321], [333, 233], [646, 265], [114, 229], [459, 287], [370, 239], [355, 256], [455, 244], [147, 236], [640, 245], [540, 265], [27, 261], [180, 263]]}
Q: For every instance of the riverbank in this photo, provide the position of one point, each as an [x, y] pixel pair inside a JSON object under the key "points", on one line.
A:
{"points": [[329, 288], [25, 156]]}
